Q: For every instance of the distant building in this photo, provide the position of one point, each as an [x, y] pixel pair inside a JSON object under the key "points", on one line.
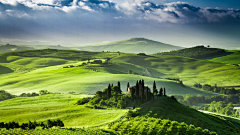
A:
{"points": [[140, 89]]}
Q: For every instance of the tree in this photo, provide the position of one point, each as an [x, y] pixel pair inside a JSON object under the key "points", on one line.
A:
{"points": [[116, 90], [161, 91], [119, 85], [133, 93], [154, 85], [99, 94], [109, 91], [128, 86], [137, 89], [134, 104], [130, 71], [164, 91]]}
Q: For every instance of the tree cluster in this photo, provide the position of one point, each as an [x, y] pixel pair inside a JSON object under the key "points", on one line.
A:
{"points": [[193, 100], [197, 52], [216, 89], [153, 126], [32, 125], [33, 94], [4, 95]]}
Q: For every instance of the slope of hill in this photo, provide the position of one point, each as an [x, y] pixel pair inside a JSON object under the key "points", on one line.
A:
{"points": [[168, 108], [56, 106], [197, 52], [188, 70], [13, 48], [232, 57], [134, 45], [31, 71]]}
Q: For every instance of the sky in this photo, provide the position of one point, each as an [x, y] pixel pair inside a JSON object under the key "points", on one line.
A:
{"points": [[84, 22]]}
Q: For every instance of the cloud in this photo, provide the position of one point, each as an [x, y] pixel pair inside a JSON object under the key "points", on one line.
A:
{"points": [[174, 12], [72, 20]]}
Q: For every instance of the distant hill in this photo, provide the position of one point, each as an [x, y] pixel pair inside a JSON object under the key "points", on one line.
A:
{"points": [[197, 52], [13, 48], [134, 45]]}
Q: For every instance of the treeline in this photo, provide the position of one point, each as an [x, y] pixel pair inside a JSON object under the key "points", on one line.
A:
{"points": [[32, 125], [152, 126], [193, 100], [222, 108], [216, 89], [195, 52], [4, 95]]}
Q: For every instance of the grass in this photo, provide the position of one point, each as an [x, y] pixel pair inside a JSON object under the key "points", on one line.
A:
{"points": [[56, 106], [231, 58], [44, 71], [167, 108], [190, 71]]}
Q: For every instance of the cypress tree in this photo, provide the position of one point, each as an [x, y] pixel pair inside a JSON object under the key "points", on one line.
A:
{"points": [[142, 95], [133, 93], [137, 89], [154, 85], [128, 86], [112, 84], [161, 91], [134, 104], [109, 91], [140, 82], [164, 91], [119, 85]]}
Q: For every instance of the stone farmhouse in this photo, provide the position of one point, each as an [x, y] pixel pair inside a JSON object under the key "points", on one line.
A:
{"points": [[140, 89]]}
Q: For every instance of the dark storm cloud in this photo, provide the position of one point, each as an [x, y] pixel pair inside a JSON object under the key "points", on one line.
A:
{"points": [[69, 19]]}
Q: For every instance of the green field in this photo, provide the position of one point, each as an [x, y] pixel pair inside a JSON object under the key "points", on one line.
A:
{"points": [[31, 71], [56, 106], [167, 108], [231, 58]]}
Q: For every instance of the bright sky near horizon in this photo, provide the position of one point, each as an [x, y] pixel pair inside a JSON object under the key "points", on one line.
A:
{"points": [[82, 22]]}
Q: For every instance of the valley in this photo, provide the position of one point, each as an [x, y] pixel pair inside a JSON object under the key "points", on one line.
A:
{"points": [[70, 75]]}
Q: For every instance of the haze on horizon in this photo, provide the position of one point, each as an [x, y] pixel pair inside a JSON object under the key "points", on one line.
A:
{"points": [[84, 22]]}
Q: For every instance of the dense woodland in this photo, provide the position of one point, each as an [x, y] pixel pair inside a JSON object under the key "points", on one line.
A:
{"points": [[197, 52]]}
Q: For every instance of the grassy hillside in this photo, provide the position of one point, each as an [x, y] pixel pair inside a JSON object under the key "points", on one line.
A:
{"points": [[134, 45], [187, 69], [13, 48], [55, 106], [231, 58], [167, 108], [31, 71]]}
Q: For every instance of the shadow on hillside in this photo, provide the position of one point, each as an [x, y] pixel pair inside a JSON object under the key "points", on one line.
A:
{"points": [[216, 56], [5, 70]]}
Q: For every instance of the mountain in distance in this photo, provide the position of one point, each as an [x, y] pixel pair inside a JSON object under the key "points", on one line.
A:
{"points": [[13, 48], [133, 45]]}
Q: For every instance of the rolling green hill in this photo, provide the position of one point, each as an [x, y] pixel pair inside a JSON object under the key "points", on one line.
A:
{"points": [[188, 70], [56, 106], [134, 45], [231, 58], [31, 71], [13, 48], [168, 108]]}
